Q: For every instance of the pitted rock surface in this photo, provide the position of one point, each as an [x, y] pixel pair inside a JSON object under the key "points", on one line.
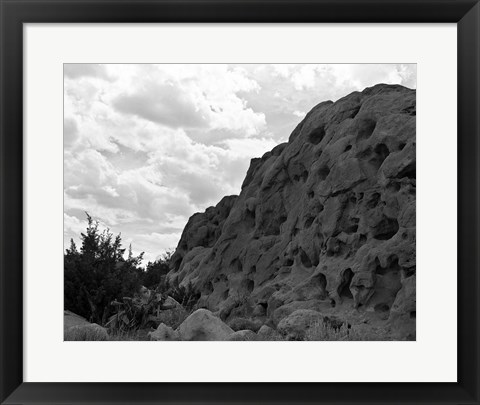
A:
{"points": [[325, 222]]}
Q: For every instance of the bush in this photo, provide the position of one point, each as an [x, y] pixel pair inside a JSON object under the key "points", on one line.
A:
{"points": [[139, 312], [156, 271], [98, 273], [187, 297]]}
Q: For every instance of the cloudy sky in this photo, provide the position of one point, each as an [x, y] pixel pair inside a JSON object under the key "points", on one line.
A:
{"points": [[146, 146]]}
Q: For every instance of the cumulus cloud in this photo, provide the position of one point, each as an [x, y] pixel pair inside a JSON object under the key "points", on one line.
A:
{"points": [[163, 104], [78, 70], [146, 146]]}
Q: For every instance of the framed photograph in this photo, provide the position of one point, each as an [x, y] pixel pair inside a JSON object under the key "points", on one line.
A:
{"points": [[216, 202]]}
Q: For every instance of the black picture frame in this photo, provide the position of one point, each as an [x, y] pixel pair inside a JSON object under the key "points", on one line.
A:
{"points": [[14, 13]]}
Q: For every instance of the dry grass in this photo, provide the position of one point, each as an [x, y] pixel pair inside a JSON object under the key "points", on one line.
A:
{"points": [[90, 332], [321, 331], [130, 336]]}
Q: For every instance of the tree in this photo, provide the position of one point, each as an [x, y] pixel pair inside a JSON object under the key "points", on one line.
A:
{"points": [[98, 273], [155, 271]]}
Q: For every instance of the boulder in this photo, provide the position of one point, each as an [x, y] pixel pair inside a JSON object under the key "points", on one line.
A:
{"points": [[296, 325], [268, 333], [243, 335], [76, 327], [203, 325], [238, 324], [173, 315], [86, 332], [164, 333], [72, 319]]}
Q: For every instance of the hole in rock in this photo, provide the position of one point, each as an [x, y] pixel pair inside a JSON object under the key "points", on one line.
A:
{"points": [[366, 128], [413, 314], [253, 269], [381, 153], [236, 265], [289, 262], [309, 222], [412, 110], [362, 239], [250, 218], [392, 266], [323, 172], [394, 186], [401, 146], [386, 229], [305, 259], [373, 200], [225, 294], [410, 172], [381, 308], [310, 194], [408, 272], [220, 278], [321, 280], [208, 289], [304, 176], [348, 147], [317, 135], [352, 229], [354, 112], [248, 285], [344, 287]]}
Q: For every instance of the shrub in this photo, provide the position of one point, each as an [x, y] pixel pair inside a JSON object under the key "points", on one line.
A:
{"points": [[155, 272], [139, 312], [187, 296], [98, 273]]}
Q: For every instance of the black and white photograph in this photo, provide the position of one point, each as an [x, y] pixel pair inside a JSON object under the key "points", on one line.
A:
{"points": [[239, 202]]}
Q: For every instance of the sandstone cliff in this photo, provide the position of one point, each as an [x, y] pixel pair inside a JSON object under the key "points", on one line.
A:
{"points": [[324, 222]]}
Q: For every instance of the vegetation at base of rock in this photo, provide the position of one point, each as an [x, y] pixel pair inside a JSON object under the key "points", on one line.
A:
{"points": [[324, 331], [185, 295], [135, 313], [98, 274]]}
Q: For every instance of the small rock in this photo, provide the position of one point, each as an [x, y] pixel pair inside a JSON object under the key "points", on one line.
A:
{"points": [[164, 333], [203, 325], [238, 324], [268, 333], [297, 323], [242, 335]]}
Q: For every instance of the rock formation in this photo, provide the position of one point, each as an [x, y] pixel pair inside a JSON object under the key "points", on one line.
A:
{"points": [[324, 222], [77, 328]]}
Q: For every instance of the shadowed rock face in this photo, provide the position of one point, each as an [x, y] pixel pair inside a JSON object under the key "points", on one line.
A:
{"points": [[325, 222]]}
